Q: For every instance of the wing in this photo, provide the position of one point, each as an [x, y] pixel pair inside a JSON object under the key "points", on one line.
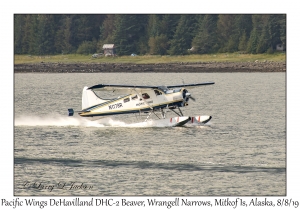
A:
{"points": [[108, 87], [120, 87], [190, 85]]}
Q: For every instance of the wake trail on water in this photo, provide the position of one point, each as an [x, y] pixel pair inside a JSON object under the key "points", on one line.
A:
{"points": [[61, 121]]}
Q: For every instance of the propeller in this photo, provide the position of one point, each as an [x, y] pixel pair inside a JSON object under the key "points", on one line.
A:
{"points": [[188, 95], [192, 98]]}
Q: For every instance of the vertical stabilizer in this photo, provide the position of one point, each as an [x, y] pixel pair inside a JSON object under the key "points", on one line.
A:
{"points": [[89, 98]]}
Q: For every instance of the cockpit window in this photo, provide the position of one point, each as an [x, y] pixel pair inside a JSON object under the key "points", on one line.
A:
{"points": [[145, 96], [176, 90], [157, 92], [134, 97], [126, 100], [163, 88]]}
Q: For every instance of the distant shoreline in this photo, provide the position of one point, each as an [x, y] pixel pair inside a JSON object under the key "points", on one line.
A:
{"points": [[181, 67]]}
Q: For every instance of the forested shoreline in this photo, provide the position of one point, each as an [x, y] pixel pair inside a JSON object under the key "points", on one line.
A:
{"points": [[143, 34]]}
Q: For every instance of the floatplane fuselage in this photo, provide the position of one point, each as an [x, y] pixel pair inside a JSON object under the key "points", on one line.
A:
{"points": [[140, 99]]}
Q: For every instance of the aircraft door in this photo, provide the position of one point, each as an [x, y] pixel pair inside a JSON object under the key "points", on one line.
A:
{"points": [[159, 96]]}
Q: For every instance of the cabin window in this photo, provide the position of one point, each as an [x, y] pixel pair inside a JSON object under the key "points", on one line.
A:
{"points": [[157, 92], [145, 96], [126, 100], [134, 97]]}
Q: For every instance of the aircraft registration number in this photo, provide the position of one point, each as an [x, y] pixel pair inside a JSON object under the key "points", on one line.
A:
{"points": [[115, 106]]}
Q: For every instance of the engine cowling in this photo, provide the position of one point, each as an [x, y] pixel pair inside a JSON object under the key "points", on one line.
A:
{"points": [[185, 96]]}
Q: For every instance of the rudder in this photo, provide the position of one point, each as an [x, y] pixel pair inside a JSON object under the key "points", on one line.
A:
{"points": [[89, 98]]}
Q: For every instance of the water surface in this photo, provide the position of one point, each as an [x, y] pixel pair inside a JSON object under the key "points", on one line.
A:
{"points": [[242, 151]]}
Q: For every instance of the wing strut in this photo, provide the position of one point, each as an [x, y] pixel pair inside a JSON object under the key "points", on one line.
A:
{"points": [[147, 104], [180, 111], [142, 98], [176, 112]]}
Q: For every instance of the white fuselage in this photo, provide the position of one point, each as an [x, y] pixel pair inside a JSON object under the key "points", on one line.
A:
{"points": [[136, 101]]}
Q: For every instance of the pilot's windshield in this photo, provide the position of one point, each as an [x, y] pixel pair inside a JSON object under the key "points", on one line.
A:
{"points": [[176, 90], [163, 88], [145, 96], [157, 92]]}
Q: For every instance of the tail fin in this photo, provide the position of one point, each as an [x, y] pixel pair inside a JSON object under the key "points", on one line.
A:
{"points": [[89, 98]]}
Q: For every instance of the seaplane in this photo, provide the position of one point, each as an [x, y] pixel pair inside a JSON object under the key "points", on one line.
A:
{"points": [[141, 100]]}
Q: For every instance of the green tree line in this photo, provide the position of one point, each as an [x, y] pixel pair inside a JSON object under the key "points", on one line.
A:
{"points": [[155, 34]]}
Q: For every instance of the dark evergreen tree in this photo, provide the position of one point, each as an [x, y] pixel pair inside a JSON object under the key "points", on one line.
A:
{"points": [[243, 40], [263, 43], [168, 25], [243, 23], [154, 26], [40, 35], [45, 35], [243, 26], [59, 35], [282, 29], [253, 41], [127, 32], [33, 31], [225, 31], [19, 30], [141, 38], [183, 35], [257, 23], [273, 27], [68, 35], [158, 45], [86, 28], [50, 34], [206, 41], [268, 32], [154, 35], [26, 34], [107, 29]]}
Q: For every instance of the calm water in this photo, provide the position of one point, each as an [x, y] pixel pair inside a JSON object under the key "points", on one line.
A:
{"points": [[242, 151]]}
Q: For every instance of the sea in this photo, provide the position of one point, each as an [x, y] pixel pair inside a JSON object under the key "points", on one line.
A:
{"points": [[240, 152]]}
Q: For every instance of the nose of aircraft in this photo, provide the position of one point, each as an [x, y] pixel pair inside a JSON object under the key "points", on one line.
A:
{"points": [[189, 96]]}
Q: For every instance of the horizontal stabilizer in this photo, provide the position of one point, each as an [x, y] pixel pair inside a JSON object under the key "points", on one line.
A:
{"points": [[71, 112]]}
